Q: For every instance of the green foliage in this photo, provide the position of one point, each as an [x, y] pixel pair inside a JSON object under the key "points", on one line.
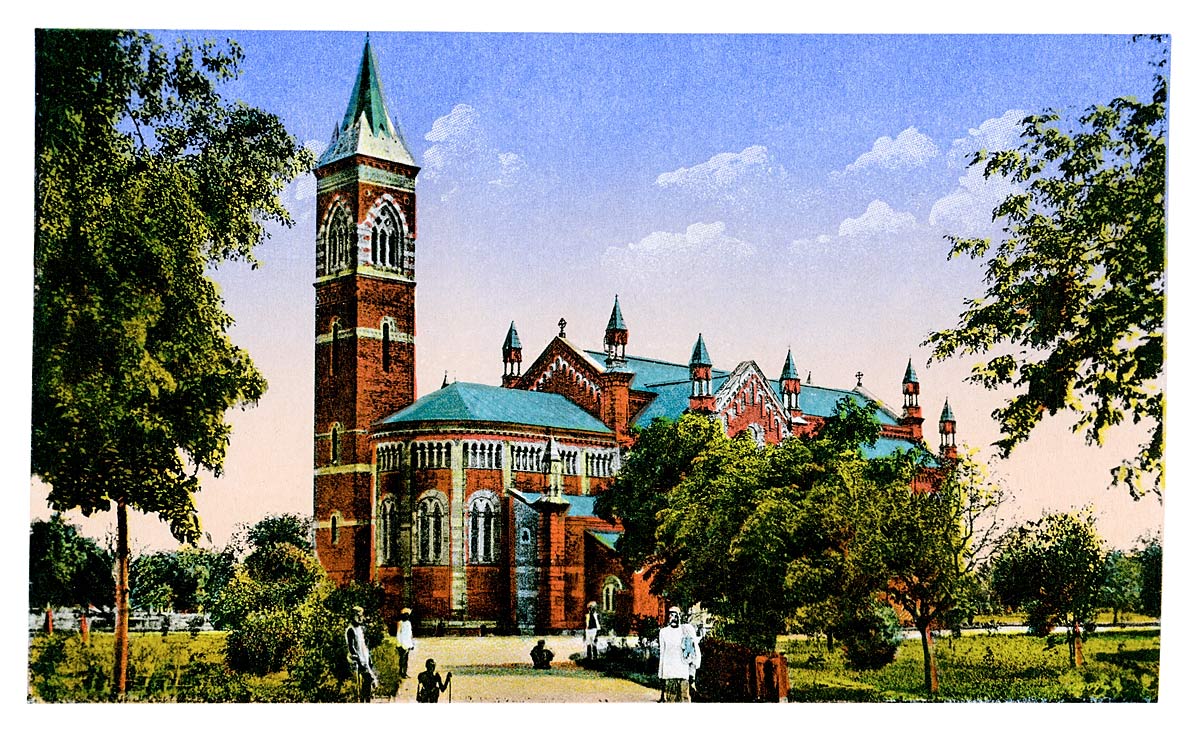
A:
{"points": [[67, 569], [984, 667], [145, 179], [871, 636], [287, 529], [185, 580], [1076, 290], [661, 456], [1053, 569], [1149, 558], [1122, 588]]}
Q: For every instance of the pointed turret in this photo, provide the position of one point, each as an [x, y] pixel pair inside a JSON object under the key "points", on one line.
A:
{"points": [[947, 428], [616, 336], [701, 373], [911, 388], [789, 384], [510, 355], [366, 127]]}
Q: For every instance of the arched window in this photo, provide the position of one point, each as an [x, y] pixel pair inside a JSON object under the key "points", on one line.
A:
{"points": [[387, 345], [608, 596], [430, 522], [483, 515], [387, 530], [335, 328], [335, 444], [338, 240], [385, 238], [334, 522]]}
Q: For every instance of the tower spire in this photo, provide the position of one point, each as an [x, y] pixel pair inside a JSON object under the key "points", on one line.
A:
{"points": [[947, 428], [366, 127], [701, 398], [789, 383], [510, 354], [616, 335]]}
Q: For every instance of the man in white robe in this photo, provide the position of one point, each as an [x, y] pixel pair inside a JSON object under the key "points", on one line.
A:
{"points": [[678, 658]]}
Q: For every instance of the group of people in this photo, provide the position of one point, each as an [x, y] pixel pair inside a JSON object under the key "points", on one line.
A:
{"points": [[678, 656], [430, 684]]}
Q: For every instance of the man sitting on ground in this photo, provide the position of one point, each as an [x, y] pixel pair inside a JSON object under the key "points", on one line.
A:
{"points": [[541, 656]]}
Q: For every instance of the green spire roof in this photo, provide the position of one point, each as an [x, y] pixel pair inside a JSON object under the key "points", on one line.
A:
{"points": [[512, 341], [366, 127], [947, 414], [615, 321], [700, 353], [789, 368], [909, 374]]}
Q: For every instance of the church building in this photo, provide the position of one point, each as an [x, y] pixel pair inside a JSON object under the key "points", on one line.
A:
{"points": [[472, 504]]}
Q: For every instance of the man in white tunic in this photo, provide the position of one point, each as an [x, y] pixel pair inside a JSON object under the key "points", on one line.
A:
{"points": [[360, 656], [404, 641], [678, 658]]}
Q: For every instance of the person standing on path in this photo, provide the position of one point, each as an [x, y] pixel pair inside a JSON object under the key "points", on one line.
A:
{"points": [[404, 641], [360, 656], [430, 684], [678, 657], [591, 629]]}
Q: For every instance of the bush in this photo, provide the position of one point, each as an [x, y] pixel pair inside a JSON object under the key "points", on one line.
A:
{"points": [[871, 637], [263, 642]]}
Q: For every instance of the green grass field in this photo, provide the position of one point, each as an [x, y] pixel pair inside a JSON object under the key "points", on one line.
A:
{"points": [[1118, 665]]}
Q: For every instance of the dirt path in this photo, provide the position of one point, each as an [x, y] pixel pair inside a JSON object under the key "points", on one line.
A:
{"points": [[498, 670]]}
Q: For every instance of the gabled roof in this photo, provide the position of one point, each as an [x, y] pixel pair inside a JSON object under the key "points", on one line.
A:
{"points": [[366, 127], [470, 401]]}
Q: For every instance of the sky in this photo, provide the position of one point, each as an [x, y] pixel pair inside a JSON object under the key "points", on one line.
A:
{"points": [[768, 191]]}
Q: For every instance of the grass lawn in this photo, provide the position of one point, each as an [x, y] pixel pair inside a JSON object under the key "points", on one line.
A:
{"points": [[1118, 665]]}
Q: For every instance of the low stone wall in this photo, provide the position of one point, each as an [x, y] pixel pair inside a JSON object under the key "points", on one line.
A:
{"points": [[735, 674]]}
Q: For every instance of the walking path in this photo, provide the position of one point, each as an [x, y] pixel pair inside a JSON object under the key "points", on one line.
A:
{"points": [[497, 669]]}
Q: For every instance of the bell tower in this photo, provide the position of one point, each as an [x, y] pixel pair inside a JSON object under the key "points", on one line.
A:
{"points": [[364, 325]]}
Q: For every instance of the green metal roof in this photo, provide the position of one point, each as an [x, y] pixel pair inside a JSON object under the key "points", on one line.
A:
{"points": [[366, 127], [700, 353], [470, 401], [789, 368], [609, 539], [947, 412], [512, 340], [615, 321], [909, 374]]}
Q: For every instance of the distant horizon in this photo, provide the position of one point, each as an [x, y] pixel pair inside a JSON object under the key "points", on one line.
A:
{"points": [[768, 191]]}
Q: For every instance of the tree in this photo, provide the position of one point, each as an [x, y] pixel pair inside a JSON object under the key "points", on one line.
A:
{"points": [[66, 569], [932, 546], [1073, 312], [1149, 558], [290, 529], [1122, 587], [145, 179], [1053, 569]]}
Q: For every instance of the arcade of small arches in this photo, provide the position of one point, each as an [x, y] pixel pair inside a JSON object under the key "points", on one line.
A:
{"points": [[431, 529], [489, 455]]}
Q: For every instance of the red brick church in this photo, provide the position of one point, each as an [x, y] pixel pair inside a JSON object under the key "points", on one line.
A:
{"points": [[472, 504]]}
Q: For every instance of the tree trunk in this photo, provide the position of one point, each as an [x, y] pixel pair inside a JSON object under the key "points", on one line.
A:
{"points": [[121, 622], [83, 628], [829, 641], [931, 675], [1076, 645], [48, 625], [1116, 616]]}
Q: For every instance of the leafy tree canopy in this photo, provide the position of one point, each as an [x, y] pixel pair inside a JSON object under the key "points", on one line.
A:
{"points": [[145, 178], [1073, 311], [67, 569]]}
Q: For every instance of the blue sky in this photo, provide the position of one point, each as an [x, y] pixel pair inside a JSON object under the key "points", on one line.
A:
{"points": [[770, 191]]}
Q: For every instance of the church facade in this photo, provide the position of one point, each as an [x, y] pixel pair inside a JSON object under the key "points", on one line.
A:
{"points": [[472, 504]]}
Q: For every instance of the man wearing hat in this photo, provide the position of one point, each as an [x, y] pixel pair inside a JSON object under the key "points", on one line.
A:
{"points": [[404, 641], [360, 656], [591, 629], [678, 658]]}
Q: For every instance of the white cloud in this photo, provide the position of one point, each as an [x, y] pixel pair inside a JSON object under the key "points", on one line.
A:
{"points": [[1000, 133], [723, 172], [462, 150], [970, 205], [910, 149], [702, 242], [878, 218]]}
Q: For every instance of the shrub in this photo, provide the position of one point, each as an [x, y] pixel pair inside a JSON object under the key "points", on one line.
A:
{"points": [[263, 642], [871, 637]]}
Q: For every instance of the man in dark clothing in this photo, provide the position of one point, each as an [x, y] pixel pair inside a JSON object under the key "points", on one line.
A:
{"points": [[541, 656], [430, 685]]}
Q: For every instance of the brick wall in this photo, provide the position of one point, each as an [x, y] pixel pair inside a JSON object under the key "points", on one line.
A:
{"points": [[730, 673]]}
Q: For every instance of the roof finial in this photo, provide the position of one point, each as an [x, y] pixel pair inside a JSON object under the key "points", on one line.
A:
{"points": [[858, 376], [562, 327], [446, 378]]}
